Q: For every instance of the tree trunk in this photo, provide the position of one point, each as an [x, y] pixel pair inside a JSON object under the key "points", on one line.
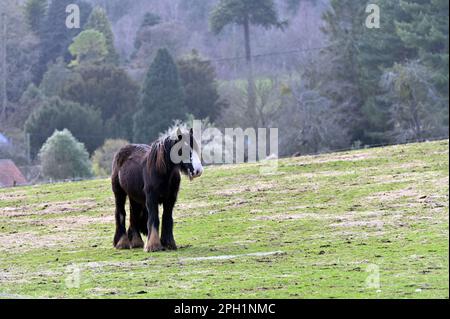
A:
{"points": [[416, 121], [251, 103]]}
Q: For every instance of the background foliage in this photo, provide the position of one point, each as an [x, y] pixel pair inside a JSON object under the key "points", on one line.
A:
{"points": [[309, 67]]}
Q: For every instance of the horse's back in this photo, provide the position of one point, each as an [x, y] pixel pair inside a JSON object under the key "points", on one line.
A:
{"points": [[128, 164], [135, 152]]}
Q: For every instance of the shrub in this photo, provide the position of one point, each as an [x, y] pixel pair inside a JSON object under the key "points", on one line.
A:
{"points": [[103, 156], [56, 114], [111, 91], [62, 157]]}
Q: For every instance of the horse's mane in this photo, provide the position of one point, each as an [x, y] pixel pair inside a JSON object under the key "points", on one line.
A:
{"points": [[157, 155]]}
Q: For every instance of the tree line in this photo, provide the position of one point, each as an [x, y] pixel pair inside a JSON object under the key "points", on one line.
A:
{"points": [[366, 86]]}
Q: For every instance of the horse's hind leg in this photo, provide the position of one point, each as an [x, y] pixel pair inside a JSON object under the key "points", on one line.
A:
{"points": [[133, 231], [120, 238]]}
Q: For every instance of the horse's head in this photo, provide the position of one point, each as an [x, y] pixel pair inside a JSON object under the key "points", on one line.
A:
{"points": [[189, 154]]}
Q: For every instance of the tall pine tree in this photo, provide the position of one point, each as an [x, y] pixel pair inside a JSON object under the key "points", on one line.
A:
{"points": [[342, 74], [161, 101], [55, 36], [35, 12], [98, 20], [246, 13], [379, 49]]}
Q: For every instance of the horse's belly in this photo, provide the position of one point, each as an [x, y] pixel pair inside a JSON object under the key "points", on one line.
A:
{"points": [[132, 182]]}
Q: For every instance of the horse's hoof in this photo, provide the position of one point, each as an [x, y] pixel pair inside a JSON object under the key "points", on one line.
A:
{"points": [[153, 248], [170, 245], [124, 243], [137, 242]]}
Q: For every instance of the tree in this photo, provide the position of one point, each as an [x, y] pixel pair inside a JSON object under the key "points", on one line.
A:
{"points": [[424, 28], [35, 12], [267, 105], [342, 69], [108, 89], [21, 51], [161, 101], [246, 13], [153, 35], [103, 156], [98, 20], [150, 20], [378, 50], [89, 47], [55, 79], [293, 5], [55, 36], [62, 157], [417, 107], [196, 12], [57, 114], [31, 100], [308, 123], [359, 56], [200, 86]]}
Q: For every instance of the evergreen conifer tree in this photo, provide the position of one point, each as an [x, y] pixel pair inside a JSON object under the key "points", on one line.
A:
{"points": [[98, 20], [161, 101]]}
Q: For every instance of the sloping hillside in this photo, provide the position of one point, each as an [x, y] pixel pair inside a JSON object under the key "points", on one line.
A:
{"points": [[365, 224]]}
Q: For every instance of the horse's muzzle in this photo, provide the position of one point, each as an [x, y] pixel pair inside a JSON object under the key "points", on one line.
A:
{"points": [[195, 174]]}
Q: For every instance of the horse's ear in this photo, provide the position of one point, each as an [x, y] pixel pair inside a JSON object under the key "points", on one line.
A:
{"points": [[179, 134]]}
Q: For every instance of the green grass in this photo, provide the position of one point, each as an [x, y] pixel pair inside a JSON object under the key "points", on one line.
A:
{"points": [[324, 227]]}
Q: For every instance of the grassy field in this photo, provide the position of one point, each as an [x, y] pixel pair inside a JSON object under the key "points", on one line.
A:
{"points": [[363, 224]]}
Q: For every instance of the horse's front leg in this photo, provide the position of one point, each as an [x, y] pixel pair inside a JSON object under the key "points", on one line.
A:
{"points": [[167, 239], [153, 242]]}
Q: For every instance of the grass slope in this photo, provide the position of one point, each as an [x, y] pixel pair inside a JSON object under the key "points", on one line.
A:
{"points": [[322, 226]]}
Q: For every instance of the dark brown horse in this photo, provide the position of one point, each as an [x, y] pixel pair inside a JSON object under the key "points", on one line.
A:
{"points": [[150, 175]]}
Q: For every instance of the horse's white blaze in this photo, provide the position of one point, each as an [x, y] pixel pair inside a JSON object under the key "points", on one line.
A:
{"points": [[197, 164]]}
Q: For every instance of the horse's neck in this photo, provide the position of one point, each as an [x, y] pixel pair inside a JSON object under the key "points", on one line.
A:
{"points": [[174, 172], [171, 168]]}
